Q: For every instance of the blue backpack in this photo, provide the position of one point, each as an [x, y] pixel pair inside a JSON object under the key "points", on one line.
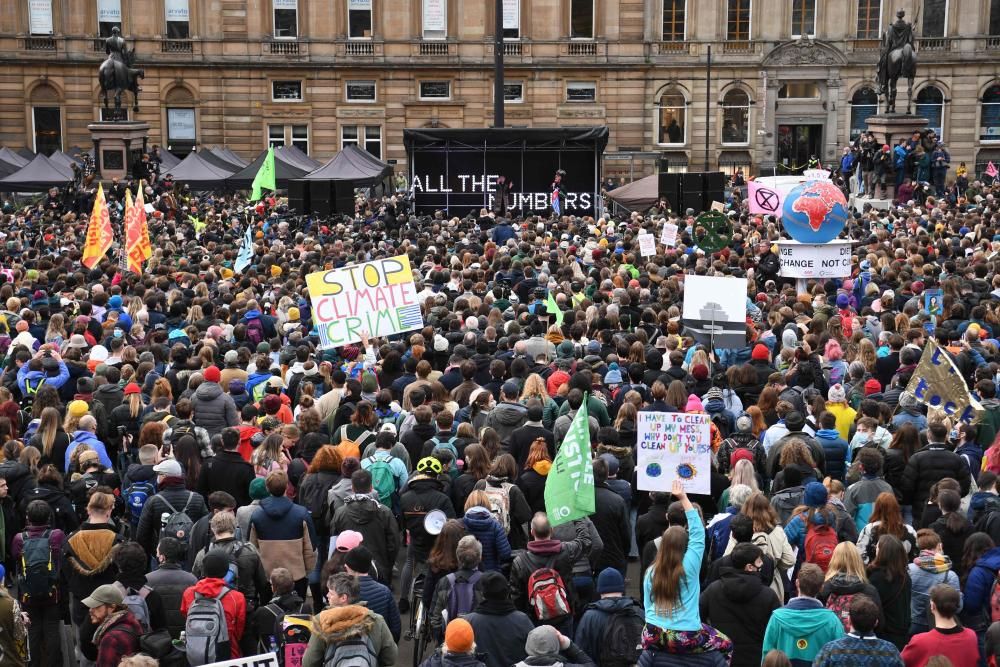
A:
{"points": [[136, 496]]}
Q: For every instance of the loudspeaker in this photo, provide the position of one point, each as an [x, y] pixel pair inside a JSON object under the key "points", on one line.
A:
{"points": [[692, 182], [692, 200], [715, 188], [298, 197], [342, 196], [319, 197], [669, 187]]}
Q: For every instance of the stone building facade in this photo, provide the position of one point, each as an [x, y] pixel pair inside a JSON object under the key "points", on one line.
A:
{"points": [[789, 78]]}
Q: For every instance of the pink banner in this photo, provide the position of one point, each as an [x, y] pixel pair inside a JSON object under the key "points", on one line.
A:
{"points": [[764, 200]]}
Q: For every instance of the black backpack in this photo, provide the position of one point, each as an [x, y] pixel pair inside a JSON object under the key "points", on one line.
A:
{"points": [[621, 643]]}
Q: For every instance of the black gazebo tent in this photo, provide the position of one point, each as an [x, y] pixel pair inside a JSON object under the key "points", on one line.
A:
{"points": [[352, 164], [285, 170], [198, 173], [37, 176]]}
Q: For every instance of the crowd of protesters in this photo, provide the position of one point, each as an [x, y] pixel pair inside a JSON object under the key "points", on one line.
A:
{"points": [[187, 477]]}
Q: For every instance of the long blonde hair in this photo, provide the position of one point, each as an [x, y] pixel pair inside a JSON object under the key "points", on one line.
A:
{"points": [[846, 560], [743, 473], [47, 429], [534, 387]]}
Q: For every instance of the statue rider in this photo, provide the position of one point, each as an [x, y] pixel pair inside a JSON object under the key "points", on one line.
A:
{"points": [[114, 46], [899, 34]]}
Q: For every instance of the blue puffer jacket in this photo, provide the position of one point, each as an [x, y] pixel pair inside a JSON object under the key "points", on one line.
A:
{"points": [[835, 450], [978, 589], [480, 523]]}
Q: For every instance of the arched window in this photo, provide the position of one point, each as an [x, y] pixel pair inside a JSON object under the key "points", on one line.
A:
{"points": [[864, 103], [46, 119], [930, 105], [672, 118], [989, 125], [182, 128], [736, 117]]}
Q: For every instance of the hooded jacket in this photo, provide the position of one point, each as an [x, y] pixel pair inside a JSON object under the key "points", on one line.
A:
{"points": [[835, 449], [377, 526], [171, 494], [284, 535], [800, 629], [110, 395], [63, 515], [978, 589], [739, 605], [505, 418], [480, 523], [927, 571], [338, 624], [214, 410], [89, 439], [227, 471], [927, 467], [423, 494], [563, 556], [859, 498], [233, 604], [532, 485], [591, 627], [87, 561]]}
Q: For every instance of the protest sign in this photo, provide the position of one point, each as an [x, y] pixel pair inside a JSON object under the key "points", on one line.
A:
{"points": [[715, 310], [932, 301], [674, 445], [939, 385], [647, 245], [814, 260], [817, 174], [376, 298], [764, 200], [669, 235], [718, 206], [262, 660]]}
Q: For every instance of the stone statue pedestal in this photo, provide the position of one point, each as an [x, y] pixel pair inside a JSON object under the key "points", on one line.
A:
{"points": [[118, 146], [888, 128]]}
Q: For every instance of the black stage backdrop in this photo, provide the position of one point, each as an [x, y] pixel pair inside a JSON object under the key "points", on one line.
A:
{"points": [[457, 170]]}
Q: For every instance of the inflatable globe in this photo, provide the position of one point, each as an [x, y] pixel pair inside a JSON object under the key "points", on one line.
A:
{"points": [[814, 212]]}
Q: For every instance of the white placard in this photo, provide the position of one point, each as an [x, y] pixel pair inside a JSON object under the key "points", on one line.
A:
{"points": [[672, 445], [40, 17], [180, 124], [263, 660], [149, 208], [511, 14], [817, 174], [815, 260], [177, 10], [715, 310], [363, 5], [718, 206], [285, 4], [434, 15], [647, 245], [109, 11], [669, 235]]}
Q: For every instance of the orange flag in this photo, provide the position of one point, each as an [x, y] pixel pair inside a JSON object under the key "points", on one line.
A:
{"points": [[133, 251], [100, 234], [140, 214]]}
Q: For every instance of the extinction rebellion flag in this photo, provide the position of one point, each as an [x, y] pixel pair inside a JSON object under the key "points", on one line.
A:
{"points": [[569, 487]]}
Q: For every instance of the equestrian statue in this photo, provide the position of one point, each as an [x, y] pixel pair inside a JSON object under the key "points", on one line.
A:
{"points": [[897, 59], [117, 72]]}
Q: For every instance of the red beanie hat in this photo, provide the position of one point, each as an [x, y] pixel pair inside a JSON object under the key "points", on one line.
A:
{"points": [[212, 374], [739, 455], [872, 387], [760, 352]]}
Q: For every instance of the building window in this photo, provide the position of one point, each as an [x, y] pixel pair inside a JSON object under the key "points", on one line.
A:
{"points": [[360, 91], [435, 19], [368, 137], [109, 15], [672, 117], [275, 135], [581, 91], [673, 20], [435, 90], [930, 105], [47, 126], [178, 19], [40, 17], [181, 131], [803, 18], [286, 18], [989, 125], [286, 91], [994, 27], [935, 21], [864, 103], [359, 19], [736, 117], [513, 92], [581, 19], [738, 20], [512, 19], [798, 91], [289, 135], [869, 19], [300, 138]]}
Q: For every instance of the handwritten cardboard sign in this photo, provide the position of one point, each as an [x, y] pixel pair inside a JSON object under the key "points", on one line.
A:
{"points": [[674, 445]]}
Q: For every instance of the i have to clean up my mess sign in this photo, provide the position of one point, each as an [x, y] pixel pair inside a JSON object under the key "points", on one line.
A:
{"points": [[376, 299], [674, 445]]}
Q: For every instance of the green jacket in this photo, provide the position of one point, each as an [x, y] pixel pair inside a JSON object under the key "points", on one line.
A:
{"points": [[801, 628]]}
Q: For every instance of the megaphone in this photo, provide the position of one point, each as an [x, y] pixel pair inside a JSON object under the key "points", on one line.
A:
{"points": [[434, 522]]}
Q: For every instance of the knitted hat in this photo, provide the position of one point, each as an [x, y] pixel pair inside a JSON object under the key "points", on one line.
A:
{"points": [[494, 586], [795, 421], [843, 301], [612, 462], [815, 495], [359, 559], [132, 388], [232, 357], [699, 371], [610, 581], [744, 423], [78, 408], [293, 314], [543, 640], [215, 564], [212, 374], [837, 394], [565, 350], [741, 454], [872, 387], [713, 394], [459, 637], [760, 352], [258, 490], [614, 375]]}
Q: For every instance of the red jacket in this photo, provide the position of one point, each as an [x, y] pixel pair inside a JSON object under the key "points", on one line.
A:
{"points": [[958, 645], [120, 639], [233, 603]]}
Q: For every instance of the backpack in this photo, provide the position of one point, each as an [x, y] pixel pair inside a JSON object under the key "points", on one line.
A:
{"points": [[255, 331], [136, 496], [621, 643], [205, 630], [841, 606], [176, 524], [547, 595], [354, 652], [38, 577], [135, 600], [383, 479], [293, 630], [821, 540], [448, 444], [462, 595], [28, 399], [834, 372], [500, 503], [232, 552], [348, 447], [180, 429]]}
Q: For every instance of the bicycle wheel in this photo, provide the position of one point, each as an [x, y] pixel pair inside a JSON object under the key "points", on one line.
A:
{"points": [[420, 636]]}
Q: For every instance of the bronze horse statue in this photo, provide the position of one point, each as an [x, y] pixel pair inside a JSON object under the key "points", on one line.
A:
{"points": [[897, 59], [117, 72]]}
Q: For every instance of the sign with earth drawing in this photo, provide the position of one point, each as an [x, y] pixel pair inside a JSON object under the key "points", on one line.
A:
{"points": [[814, 212], [674, 445]]}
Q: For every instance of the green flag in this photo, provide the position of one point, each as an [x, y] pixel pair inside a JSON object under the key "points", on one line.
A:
{"points": [[199, 226], [265, 176], [569, 487], [553, 309]]}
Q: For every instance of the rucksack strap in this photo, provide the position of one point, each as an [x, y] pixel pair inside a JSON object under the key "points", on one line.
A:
{"points": [[173, 509]]}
